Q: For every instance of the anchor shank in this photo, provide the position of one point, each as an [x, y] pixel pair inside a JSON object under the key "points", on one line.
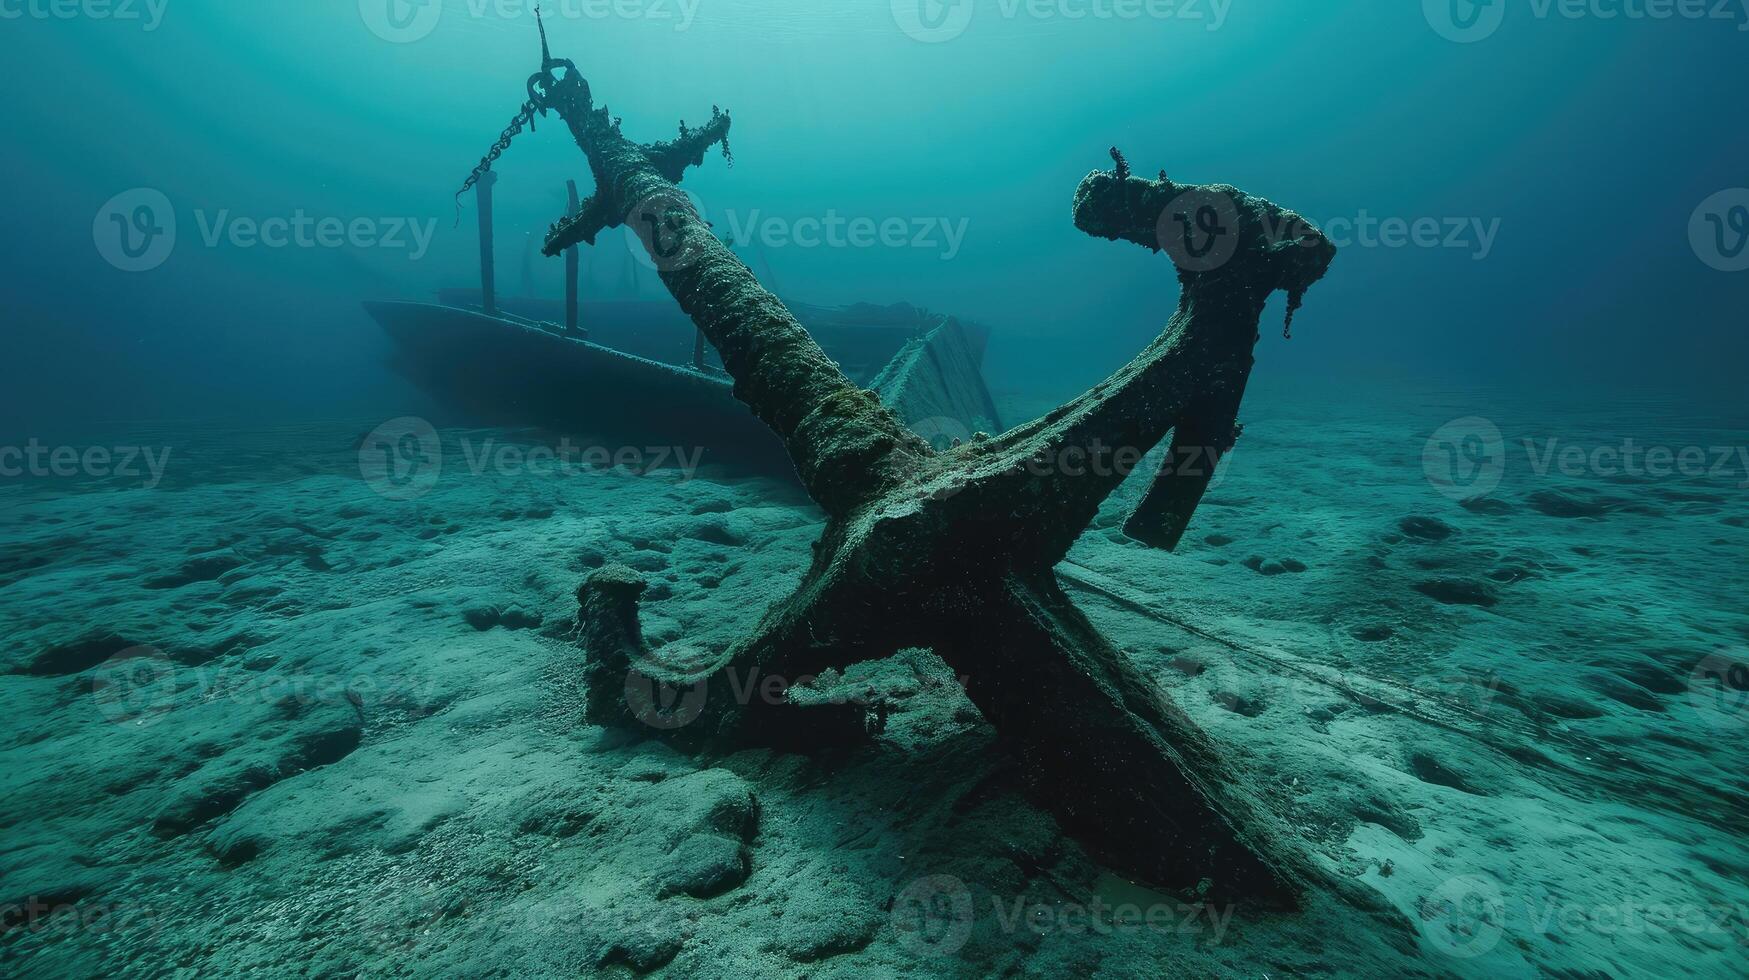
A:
{"points": [[846, 446]]}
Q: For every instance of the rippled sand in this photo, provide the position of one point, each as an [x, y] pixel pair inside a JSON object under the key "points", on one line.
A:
{"points": [[270, 714]]}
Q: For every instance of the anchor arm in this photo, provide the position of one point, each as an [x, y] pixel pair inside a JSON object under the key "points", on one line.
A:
{"points": [[1052, 474], [670, 157], [713, 701], [1205, 433], [589, 221], [1222, 240]]}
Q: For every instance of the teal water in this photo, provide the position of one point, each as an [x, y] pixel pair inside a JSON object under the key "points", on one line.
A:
{"points": [[1586, 144], [1465, 603]]}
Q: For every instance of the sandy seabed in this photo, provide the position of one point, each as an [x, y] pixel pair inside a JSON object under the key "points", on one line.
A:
{"points": [[272, 715]]}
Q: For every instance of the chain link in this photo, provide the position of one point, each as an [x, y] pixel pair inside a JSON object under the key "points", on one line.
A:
{"points": [[523, 118]]}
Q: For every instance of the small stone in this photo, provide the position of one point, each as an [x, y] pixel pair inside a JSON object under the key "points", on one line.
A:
{"points": [[1425, 528], [826, 919], [706, 866]]}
